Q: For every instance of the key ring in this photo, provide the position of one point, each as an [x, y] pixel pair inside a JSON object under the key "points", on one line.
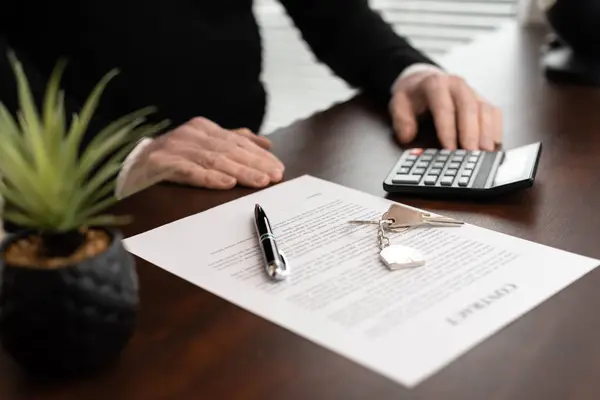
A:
{"points": [[383, 240]]}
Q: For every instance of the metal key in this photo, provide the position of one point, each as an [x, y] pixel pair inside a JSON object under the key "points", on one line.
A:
{"points": [[404, 217], [371, 221]]}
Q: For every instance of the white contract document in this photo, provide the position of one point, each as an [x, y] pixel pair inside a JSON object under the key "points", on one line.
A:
{"points": [[405, 324]]}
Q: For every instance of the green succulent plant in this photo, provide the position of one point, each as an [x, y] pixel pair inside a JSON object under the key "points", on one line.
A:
{"points": [[47, 183]]}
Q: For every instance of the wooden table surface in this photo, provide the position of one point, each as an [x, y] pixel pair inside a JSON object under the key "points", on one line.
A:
{"points": [[190, 344]]}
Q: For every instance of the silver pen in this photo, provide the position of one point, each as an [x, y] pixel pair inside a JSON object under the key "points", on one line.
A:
{"points": [[276, 265]]}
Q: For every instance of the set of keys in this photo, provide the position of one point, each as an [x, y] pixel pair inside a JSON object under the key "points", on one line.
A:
{"points": [[401, 219]]}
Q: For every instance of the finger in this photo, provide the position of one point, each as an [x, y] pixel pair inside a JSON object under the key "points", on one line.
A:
{"points": [[243, 174], [498, 125], [256, 171], [404, 119], [215, 131], [441, 105], [260, 152], [264, 160], [265, 165], [467, 110], [192, 174], [187, 172], [486, 124], [259, 140]]}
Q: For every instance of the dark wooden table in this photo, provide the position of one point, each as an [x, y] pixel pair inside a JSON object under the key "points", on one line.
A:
{"points": [[192, 345]]}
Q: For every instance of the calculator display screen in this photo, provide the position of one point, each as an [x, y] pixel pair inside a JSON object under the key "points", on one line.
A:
{"points": [[518, 165]]}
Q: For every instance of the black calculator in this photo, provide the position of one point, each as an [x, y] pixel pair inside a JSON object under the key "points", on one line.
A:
{"points": [[462, 172]]}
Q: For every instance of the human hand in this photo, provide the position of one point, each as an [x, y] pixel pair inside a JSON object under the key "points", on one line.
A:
{"points": [[201, 153], [462, 117]]}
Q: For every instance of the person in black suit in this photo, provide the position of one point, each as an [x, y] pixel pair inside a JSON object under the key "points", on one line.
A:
{"points": [[199, 62]]}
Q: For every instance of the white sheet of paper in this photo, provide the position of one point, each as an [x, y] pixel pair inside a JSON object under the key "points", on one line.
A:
{"points": [[405, 324]]}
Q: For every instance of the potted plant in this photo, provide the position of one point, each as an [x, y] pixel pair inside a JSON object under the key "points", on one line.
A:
{"points": [[68, 287]]}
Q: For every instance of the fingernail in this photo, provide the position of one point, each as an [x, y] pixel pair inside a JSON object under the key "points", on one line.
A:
{"points": [[276, 175], [487, 143], [228, 181], [403, 133], [262, 180], [278, 171]]}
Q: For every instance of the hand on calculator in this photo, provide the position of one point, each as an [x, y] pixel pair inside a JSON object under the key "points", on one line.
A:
{"points": [[463, 119]]}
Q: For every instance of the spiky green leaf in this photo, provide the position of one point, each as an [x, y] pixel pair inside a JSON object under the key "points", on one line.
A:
{"points": [[21, 219], [81, 123], [94, 154], [120, 123], [28, 115]]}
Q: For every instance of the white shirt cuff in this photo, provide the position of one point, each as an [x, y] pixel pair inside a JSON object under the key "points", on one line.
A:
{"points": [[413, 69], [127, 165]]}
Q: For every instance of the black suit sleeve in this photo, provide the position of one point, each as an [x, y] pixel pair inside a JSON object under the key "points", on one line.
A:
{"points": [[8, 81], [355, 42]]}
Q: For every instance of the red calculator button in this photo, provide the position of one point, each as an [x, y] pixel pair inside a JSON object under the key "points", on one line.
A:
{"points": [[416, 152]]}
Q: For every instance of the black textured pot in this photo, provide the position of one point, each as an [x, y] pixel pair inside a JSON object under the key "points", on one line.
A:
{"points": [[573, 54], [68, 321]]}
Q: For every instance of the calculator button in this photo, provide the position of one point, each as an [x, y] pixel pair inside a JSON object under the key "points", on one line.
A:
{"points": [[438, 165], [445, 152], [422, 164], [447, 181], [457, 158], [426, 157], [467, 173], [412, 158], [407, 179], [404, 170], [408, 163], [416, 152], [470, 166], [460, 152], [419, 171], [454, 165], [472, 159], [450, 172], [464, 181], [430, 180], [441, 158], [430, 151], [435, 171], [476, 152]]}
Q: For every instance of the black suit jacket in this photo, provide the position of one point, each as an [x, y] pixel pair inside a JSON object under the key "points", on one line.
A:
{"points": [[189, 57]]}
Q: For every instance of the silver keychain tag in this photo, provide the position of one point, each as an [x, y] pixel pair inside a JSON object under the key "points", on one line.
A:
{"points": [[397, 257]]}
